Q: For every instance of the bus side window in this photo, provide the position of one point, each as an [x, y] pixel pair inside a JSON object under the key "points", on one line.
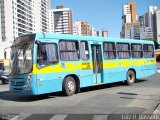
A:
{"points": [[123, 50], [47, 54], [136, 50], [109, 50], [69, 50], [84, 50], [148, 51]]}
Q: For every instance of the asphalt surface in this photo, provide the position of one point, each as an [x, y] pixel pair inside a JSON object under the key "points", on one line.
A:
{"points": [[95, 102]]}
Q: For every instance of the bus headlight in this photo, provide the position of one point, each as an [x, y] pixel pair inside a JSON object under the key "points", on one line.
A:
{"points": [[27, 88], [29, 79]]}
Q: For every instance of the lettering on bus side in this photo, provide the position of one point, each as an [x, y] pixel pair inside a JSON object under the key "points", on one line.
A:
{"points": [[86, 66], [153, 61]]}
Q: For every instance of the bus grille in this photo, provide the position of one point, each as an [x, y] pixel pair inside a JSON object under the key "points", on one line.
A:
{"points": [[17, 83], [17, 88]]}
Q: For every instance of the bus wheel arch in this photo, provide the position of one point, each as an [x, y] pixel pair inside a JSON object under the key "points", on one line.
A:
{"points": [[74, 80], [130, 76]]}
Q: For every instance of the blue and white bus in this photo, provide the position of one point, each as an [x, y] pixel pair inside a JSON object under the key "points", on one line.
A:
{"points": [[45, 62]]}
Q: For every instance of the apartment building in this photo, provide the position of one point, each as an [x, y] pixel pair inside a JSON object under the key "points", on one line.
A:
{"points": [[18, 17], [129, 20], [129, 13], [61, 20], [149, 16], [156, 25], [146, 33], [104, 33], [81, 27], [94, 32], [148, 24], [41, 8], [130, 30], [23, 16], [7, 20]]}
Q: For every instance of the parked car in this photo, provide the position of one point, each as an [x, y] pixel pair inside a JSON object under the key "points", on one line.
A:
{"points": [[4, 79]]}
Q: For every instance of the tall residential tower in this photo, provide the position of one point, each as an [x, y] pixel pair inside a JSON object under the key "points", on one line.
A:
{"points": [[156, 25], [41, 9], [61, 20], [22, 16], [147, 24], [130, 25], [81, 27], [129, 13]]}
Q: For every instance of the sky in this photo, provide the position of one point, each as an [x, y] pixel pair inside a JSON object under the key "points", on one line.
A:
{"points": [[103, 14]]}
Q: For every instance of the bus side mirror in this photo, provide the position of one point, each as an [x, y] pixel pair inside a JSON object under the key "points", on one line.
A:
{"points": [[37, 42], [5, 54]]}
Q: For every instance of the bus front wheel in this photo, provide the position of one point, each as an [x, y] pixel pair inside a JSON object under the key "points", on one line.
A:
{"points": [[131, 77], [69, 86]]}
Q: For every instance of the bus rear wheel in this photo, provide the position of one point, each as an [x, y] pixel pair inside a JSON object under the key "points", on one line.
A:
{"points": [[131, 77], [69, 86]]}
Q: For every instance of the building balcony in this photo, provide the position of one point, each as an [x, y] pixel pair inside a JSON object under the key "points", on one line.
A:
{"points": [[24, 6]]}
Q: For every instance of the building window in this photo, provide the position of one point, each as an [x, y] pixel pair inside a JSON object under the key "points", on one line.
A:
{"points": [[47, 54], [69, 50], [148, 51], [84, 50], [109, 50], [123, 50], [137, 51]]}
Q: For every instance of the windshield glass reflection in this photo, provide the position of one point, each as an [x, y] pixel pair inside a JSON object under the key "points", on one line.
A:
{"points": [[21, 58]]}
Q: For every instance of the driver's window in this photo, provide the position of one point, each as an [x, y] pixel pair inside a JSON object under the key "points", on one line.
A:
{"points": [[47, 54]]}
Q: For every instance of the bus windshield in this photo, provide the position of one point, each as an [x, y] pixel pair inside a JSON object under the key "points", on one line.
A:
{"points": [[22, 55]]}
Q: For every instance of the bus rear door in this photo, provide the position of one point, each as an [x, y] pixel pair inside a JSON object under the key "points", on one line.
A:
{"points": [[97, 63]]}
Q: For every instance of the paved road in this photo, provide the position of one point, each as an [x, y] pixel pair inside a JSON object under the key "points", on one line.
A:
{"points": [[142, 97]]}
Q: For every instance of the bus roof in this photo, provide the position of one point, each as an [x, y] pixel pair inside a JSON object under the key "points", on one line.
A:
{"points": [[40, 36]]}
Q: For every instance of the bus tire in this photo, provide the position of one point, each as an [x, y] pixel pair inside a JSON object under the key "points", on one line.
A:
{"points": [[69, 86], [131, 77]]}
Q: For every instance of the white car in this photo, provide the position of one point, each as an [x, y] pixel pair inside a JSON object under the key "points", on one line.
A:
{"points": [[4, 79]]}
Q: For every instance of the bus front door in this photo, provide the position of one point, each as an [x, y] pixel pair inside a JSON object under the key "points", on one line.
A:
{"points": [[97, 63]]}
